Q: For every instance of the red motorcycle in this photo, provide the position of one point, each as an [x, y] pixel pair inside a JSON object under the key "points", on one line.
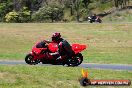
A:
{"points": [[44, 54]]}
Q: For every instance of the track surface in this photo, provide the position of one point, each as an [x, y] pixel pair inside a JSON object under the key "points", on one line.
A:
{"points": [[84, 65]]}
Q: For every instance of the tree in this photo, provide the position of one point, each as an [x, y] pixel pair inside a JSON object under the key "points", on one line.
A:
{"points": [[86, 3], [24, 15], [80, 4], [121, 3], [77, 8], [12, 17], [47, 13], [5, 7]]}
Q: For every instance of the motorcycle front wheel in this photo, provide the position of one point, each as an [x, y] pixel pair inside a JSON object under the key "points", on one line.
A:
{"points": [[29, 59]]}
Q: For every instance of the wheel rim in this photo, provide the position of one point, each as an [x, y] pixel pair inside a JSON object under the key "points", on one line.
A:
{"points": [[72, 62], [75, 62], [79, 60], [30, 59]]}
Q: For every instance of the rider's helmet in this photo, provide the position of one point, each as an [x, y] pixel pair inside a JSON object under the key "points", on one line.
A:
{"points": [[56, 37], [94, 15]]}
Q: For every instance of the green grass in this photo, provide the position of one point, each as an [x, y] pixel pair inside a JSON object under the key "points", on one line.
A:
{"points": [[107, 43], [53, 76]]}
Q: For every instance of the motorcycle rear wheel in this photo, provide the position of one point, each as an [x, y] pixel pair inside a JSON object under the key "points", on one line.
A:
{"points": [[77, 60]]}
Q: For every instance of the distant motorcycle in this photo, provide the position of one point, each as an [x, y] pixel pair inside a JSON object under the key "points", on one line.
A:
{"points": [[98, 20], [44, 54]]}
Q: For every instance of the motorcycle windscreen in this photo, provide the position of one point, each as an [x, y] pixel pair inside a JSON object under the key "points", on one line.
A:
{"points": [[37, 50], [53, 47], [78, 48], [39, 46]]}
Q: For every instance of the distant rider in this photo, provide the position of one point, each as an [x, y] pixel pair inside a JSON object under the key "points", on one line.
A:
{"points": [[94, 17]]}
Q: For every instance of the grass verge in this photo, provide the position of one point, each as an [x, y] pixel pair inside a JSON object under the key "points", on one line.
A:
{"points": [[107, 43], [53, 76]]}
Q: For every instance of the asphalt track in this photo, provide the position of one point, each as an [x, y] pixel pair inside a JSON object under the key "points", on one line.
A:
{"points": [[84, 65]]}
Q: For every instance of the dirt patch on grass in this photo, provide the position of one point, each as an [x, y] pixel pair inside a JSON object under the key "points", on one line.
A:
{"points": [[1, 75], [89, 37]]}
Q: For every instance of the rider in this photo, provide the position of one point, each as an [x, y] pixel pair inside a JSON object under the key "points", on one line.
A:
{"points": [[94, 17], [64, 48]]}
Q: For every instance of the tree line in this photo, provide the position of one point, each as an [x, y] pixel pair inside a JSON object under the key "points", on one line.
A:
{"points": [[49, 10]]}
